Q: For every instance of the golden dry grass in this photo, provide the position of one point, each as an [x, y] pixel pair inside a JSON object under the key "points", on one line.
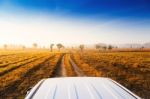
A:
{"points": [[86, 68], [132, 69], [15, 73], [20, 70]]}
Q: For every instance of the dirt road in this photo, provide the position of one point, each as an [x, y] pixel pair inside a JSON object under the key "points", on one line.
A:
{"points": [[61, 69]]}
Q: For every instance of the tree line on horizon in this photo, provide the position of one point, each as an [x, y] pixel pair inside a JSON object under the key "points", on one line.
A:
{"points": [[35, 46], [59, 46]]}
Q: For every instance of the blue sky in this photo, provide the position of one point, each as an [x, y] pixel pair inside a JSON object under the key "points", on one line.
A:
{"points": [[107, 8], [89, 21]]}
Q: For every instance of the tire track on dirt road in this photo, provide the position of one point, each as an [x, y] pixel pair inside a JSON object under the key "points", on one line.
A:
{"points": [[77, 70], [60, 70]]}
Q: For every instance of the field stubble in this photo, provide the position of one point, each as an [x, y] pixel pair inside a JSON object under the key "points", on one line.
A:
{"points": [[14, 83], [22, 70], [131, 69]]}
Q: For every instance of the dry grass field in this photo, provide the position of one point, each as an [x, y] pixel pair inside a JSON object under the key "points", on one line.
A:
{"points": [[131, 69], [20, 70]]}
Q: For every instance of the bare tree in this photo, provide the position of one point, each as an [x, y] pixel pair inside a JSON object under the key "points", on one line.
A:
{"points": [[110, 47], [72, 48], [81, 47], [141, 48], [23, 47], [51, 47], [104, 47], [97, 46], [35, 45], [5, 46], [59, 46]]}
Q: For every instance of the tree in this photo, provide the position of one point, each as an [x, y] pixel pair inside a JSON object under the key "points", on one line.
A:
{"points": [[72, 48], [5, 46], [35, 45], [98, 47], [142, 47], [81, 47], [104, 47], [23, 47], [110, 47], [51, 47], [59, 46]]}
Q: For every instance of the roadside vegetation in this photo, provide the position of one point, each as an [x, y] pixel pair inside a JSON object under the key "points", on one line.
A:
{"points": [[16, 77], [131, 69], [86, 68]]}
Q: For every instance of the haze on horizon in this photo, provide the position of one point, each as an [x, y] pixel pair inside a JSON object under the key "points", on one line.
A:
{"points": [[74, 22]]}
